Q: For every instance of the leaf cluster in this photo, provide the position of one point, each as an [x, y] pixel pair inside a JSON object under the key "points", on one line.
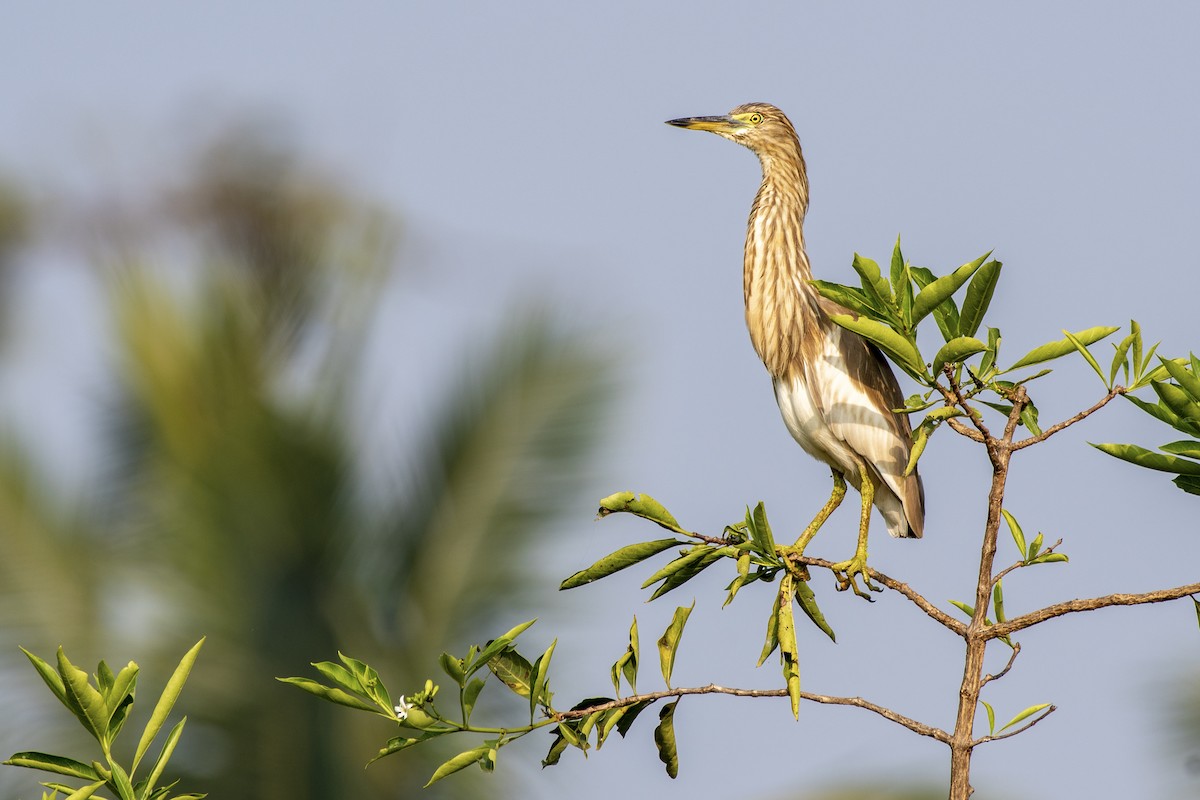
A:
{"points": [[1178, 405], [102, 707]]}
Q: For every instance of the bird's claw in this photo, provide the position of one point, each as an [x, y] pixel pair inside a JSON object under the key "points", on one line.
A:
{"points": [[845, 572], [788, 554]]}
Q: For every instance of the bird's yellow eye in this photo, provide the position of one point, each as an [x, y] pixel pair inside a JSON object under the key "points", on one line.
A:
{"points": [[755, 118]]}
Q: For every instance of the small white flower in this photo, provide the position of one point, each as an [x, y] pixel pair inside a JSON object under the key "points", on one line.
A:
{"points": [[402, 709]]}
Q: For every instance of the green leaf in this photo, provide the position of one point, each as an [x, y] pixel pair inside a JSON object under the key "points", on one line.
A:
{"points": [[1150, 460], [470, 694], [989, 357], [459, 762], [1120, 359], [772, 641], [788, 650], [808, 604], [946, 314], [998, 600], [83, 699], [1177, 400], [1087, 356], [848, 297], [760, 529], [164, 755], [873, 283], [495, 646], [693, 554], [631, 713], [1185, 447], [668, 643], [341, 676], [1057, 349], [1025, 715], [963, 607], [1049, 558], [919, 440], [664, 739], [618, 560], [453, 667], [956, 351], [121, 781], [166, 701], [120, 696], [743, 577], [932, 295], [1017, 534], [991, 715], [679, 577], [51, 678], [557, 747], [897, 347], [1187, 381], [513, 670], [1035, 546], [60, 765], [541, 676], [1029, 418], [1188, 483], [978, 298], [330, 693], [1160, 412], [643, 506], [627, 664], [901, 284]]}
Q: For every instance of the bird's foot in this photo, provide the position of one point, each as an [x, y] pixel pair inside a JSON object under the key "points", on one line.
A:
{"points": [[846, 571], [790, 555]]}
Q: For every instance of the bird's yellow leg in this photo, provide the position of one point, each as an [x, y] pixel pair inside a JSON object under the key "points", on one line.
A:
{"points": [[835, 500], [797, 549], [858, 564]]}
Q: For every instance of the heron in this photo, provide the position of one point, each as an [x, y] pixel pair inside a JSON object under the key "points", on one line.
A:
{"points": [[835, 391]]}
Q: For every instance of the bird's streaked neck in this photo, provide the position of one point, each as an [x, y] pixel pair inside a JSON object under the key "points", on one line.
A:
{"points": [[779, 305]]}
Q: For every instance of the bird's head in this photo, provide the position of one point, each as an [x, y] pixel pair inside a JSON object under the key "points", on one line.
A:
{"points": [[760, 126]]}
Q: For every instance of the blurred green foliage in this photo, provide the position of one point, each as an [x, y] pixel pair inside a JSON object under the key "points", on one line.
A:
{"points": [[234, 500]]}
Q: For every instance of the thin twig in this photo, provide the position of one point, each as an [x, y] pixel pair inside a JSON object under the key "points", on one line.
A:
{"points": [[1115, 392], [970, 433], [1072, 606], [955, 397], [1000, 575], [712, 688], [1021, 729], [1016, 650], [915, 597]]}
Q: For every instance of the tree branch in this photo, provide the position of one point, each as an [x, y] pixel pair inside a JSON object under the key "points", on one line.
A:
{"points": [[915, 597], [1115, 392], [1016, 650], [1072, 606], [712, 688]]}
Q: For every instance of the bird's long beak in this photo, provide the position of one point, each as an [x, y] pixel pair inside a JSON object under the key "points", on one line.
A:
{"points": [[720, 124]]}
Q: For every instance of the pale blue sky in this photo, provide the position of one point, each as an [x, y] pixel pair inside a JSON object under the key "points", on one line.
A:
{"points": [[523, 146]]}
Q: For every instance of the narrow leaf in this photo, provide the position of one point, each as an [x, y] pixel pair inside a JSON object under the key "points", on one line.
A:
{"points": [[60, 765], [764, 529], [1017, 534], [941, 288], [772, 641], [83, 698], [642, 505], [664, 739], [897, 347], [668, 643], [998, 601], [946, 314], [680, 577], [51, 678], [963, 607], [848, 297], [1025, 715], [618, 560], [873, 282], [166, 701], [1057, 349], [1150, 460], [541, 675], [470, 694], [788, 650], [330, 693], [495, 646], [164, 755], [459, 762], [1185, 447], [956, 351], [991, 715], [978, 298], [808, 604], [1187, 381], [453, 667], [1188, 483], [1087, 356]]}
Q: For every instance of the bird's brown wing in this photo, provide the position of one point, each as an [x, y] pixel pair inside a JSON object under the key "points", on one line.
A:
{"points": [[881, 437]]}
